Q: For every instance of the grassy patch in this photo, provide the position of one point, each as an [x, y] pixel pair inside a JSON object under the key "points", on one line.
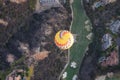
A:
{"points": [[114, 78], [78, 49], [32, 4], [4, 74], [30, 72], [20, 61]]}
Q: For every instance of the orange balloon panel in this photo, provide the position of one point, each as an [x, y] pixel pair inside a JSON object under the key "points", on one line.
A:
{"points": [[64, 39]]}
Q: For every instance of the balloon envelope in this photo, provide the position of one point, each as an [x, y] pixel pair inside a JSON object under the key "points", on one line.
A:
{"points": [[64, 39]]}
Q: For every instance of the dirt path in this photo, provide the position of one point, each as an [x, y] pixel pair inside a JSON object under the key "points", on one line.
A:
{"points": [[71, 1], [37, 6], [77, 52]]}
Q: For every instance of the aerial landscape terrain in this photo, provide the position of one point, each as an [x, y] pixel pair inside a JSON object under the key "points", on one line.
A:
{"points": [[59, 39]]}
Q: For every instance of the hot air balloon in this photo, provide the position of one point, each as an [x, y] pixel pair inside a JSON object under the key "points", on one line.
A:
{"points": [[64, 39]]}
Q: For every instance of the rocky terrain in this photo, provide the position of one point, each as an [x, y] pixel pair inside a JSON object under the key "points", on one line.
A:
{"points": [[33, 33], [52, 66], [13, 14]]}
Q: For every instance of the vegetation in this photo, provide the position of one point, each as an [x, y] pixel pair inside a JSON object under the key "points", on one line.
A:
{"points": [[32, 4], [57, 19], [77, 51], [3, 74], [15, 15], [33, 34], [100, 17], [67, 6], [116, 76], [113, 79], [18, 62], [30, 72]]}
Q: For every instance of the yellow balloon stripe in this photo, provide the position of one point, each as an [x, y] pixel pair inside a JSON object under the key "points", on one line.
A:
{"points": [[64, 39]]}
